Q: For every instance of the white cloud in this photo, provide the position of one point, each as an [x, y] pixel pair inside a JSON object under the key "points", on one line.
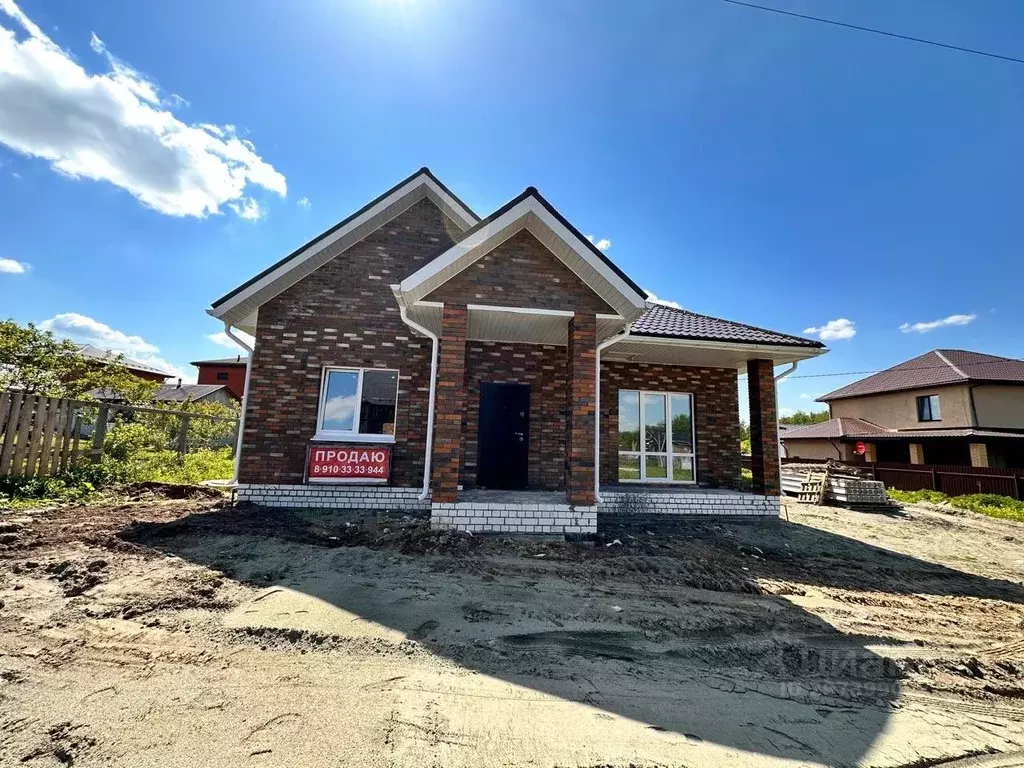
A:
{"points": [[114, 127], [943, 323], [834, 329], [248, 209], [786, 411], [86, 330], [224, 340], [664, 302], [602, 245], [12, 267], [805, 396], [303, 202]]}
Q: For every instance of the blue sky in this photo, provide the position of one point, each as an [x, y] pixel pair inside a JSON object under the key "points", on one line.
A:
{"points": [[746, 165]]}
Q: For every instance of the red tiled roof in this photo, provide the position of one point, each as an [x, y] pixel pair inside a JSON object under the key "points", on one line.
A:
{"points": [[934, 369], [662, 321]]}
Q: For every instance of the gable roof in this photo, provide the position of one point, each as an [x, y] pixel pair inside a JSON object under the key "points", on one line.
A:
{"points": [[107, 356], [937, 368], [236, 360], [239, 305], [531, 211], [662, 321]]}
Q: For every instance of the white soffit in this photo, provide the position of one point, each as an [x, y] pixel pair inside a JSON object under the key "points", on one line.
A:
{"points": [[528, 214], [239, 305], [713, 354]]}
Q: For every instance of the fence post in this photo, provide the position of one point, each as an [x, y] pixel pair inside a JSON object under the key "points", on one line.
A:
{"points": [[935, 481], [183, 437], [100, 434]]}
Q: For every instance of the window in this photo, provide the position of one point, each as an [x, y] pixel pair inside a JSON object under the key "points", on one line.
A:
{"points": [[928, 408], [222, 376], [358, 404], [656, 437]]}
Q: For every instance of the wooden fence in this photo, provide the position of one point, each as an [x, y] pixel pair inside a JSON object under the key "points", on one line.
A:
{"points": [[947, 478], [40, 436]]}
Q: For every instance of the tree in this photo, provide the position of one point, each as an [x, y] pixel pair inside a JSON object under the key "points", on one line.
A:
{"points": [[36, 362], [803, 418]]}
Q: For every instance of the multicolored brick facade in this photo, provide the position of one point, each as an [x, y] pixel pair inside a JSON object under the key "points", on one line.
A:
{"points": [[716, 419], [346, 314], [764, 427]]}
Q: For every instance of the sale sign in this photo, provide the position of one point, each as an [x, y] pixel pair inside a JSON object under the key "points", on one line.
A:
{"points": [[349, 463]]}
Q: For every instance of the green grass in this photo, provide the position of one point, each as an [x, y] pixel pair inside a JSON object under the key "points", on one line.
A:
{"points": [[90, 481], [989, 504]]}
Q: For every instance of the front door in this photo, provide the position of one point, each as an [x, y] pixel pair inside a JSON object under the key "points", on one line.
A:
{"points": [[504, 435]]}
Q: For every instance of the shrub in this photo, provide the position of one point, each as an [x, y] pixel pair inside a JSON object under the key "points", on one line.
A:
{"points": [[992, 505], [915, 497]]}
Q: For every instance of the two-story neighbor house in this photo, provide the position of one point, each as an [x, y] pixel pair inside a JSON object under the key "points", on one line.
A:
{"points": [[416, 356], [947, 406], [226, 371]]}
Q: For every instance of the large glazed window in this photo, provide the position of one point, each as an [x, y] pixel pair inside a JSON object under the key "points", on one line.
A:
{"points": [[358, 404], [656, 437]]}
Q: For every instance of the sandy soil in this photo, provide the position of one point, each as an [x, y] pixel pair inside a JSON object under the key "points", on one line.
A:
{"points": [[186, 633]]}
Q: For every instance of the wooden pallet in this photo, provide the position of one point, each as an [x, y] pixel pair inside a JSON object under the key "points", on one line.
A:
{"points": [[812, 490]]}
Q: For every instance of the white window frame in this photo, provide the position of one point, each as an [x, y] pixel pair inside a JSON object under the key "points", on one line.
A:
{"points": [[353, 435], [669, 454]]}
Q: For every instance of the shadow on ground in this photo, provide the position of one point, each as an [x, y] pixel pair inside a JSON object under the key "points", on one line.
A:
{"points": [[671, 631]]}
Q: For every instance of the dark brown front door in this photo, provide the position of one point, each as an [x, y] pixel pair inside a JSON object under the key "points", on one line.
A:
{"points": [[504, 435]]}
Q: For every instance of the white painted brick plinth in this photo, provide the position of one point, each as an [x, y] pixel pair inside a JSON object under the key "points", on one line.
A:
{"points": [[477, 517], [327, 496], [688, 503]]}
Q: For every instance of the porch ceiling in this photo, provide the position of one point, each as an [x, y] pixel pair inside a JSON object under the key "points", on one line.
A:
{"points": [[513, 324]]}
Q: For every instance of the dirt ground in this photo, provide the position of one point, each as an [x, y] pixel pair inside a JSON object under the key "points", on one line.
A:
{"points": [[189, 633]]}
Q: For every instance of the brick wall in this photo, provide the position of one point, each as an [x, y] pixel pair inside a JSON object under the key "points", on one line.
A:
{"points": [[521, 272], [764, 427], [580, 399], [715, 415], [543, 368], [342, 314], [450, 404]]}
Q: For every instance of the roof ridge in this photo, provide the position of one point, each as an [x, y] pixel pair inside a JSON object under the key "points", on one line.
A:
{"points": [[948, 362]]}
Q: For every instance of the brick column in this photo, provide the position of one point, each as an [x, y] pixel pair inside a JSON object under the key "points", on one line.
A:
{"points": [[581, 356], [979, 455], [449, 404], [764, 427]]}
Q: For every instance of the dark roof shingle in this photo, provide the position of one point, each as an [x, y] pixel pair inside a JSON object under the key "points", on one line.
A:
{"points": [[668, 322], [236, 360], [842, 426], [933, 369]]}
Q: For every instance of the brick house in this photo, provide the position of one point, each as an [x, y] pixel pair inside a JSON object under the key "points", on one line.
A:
{"points": [[502, 373], [226, 371]]}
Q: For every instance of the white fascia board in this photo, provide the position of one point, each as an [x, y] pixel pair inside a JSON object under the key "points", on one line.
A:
{"points": [[583, 250], [463, 248], [406, 189], [770, 350]]}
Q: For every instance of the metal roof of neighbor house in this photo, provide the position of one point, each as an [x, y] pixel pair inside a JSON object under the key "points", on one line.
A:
{"points": [[933, 369], [842, 426], [236, 360], [859, 429], [179, 393], [107, 356], [668, 322]]}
